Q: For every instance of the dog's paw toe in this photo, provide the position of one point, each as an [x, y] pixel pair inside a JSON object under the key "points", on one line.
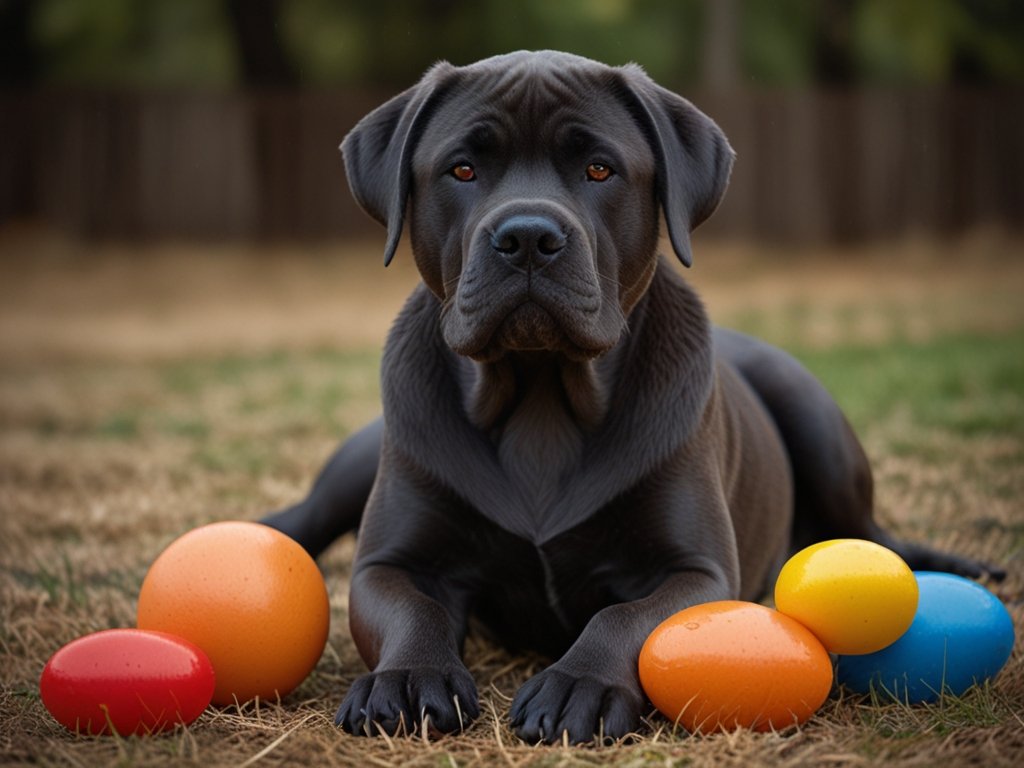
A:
{"points": [[407, 701], [555, 705]]}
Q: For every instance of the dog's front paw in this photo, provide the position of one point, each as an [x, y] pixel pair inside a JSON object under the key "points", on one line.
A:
{"points": [[408, 701], [582, 707]]}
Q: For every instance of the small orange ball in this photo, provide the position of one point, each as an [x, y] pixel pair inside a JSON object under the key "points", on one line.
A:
{"points": [[730, 664], [250, 597]]}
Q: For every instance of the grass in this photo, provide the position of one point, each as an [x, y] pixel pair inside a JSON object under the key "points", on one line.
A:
{"points": [[966, 385], [112, 444]]}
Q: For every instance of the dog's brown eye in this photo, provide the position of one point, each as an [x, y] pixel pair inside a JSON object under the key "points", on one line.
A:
{"points": [[598, 172], [464, 172]]}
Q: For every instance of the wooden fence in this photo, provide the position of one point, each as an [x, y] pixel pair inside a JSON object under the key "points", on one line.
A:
{"points": [[813, 166]]}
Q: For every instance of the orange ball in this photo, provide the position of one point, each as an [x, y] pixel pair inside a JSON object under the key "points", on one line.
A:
{"points": [[250, 597], [731, 664]]}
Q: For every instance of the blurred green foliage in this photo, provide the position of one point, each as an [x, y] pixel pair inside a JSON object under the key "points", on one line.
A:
{"points": [[190, 43], [126, 42], [933, 40]]}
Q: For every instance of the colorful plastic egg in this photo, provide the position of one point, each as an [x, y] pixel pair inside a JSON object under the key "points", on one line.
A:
{"points": [[731, 664], [250, 597], [855, 595], [961, 635], [126, 681]]}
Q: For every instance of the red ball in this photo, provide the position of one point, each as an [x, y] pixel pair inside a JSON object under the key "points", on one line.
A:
{"points": [[127, 681]]}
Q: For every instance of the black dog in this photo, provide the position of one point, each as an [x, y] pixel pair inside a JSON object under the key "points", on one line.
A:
{"points": [[568, 450]]}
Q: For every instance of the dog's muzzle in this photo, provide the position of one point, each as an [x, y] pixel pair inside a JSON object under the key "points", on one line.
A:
{"points": [[528, 284]]}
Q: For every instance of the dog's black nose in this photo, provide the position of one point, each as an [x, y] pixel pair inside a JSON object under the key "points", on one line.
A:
{"points": [[528, 240]]}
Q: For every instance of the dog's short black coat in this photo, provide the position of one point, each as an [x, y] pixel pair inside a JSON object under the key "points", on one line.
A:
{"points": [[569, 451]]}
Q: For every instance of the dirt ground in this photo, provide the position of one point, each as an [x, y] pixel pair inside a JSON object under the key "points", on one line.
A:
{"points": [[149, 388], [66, 300]]}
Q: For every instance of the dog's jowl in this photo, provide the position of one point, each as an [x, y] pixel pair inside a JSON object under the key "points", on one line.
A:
{"points": [[568, 450]]}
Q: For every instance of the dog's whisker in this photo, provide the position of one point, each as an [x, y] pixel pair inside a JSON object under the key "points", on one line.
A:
{"points": [[449, 283]]}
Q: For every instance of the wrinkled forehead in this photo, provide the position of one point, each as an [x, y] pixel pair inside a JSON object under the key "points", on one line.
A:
{"points": [[533, 107]]}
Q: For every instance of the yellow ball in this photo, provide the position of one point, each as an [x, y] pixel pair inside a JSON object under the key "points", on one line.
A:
{"points": [[856, 596]]}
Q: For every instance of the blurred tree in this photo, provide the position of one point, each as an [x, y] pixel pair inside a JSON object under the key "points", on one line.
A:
{"points": [[334, 42], [124, 42], [17, 55], [935, 41], [993, 46], [389, 44], [777, 41], [834, 62], [258, 38], [720, 67]]}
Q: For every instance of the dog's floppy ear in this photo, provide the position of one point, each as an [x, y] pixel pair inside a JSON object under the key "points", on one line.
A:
{"points": [[378, 151], [693, 156]]}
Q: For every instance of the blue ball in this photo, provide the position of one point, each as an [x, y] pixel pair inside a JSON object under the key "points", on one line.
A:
{"points": [[961, 635]]}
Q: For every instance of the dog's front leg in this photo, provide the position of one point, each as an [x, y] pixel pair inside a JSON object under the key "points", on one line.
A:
{"points": [[594, 689], [412, 643], [408, 607]]}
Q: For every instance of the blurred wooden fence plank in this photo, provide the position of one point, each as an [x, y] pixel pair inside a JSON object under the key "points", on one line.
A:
{"points": [[812, 165]]}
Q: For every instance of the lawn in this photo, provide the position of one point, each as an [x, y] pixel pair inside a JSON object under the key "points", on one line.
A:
{"points": [[145, 390]]}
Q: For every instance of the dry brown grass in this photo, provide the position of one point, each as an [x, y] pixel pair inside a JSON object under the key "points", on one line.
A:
{"points": [[146, 390]]}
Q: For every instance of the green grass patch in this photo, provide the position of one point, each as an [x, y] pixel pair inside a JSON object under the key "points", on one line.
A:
{"points": [[966, 385], [193, 428], [120, 426], [193, 375], [978, 707], [59, 578], [236, 455]]}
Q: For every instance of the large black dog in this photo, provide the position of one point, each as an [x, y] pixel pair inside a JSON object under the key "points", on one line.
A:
{"points": [[568, 450]]}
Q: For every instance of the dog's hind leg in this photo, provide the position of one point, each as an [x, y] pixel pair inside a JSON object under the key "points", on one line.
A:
{"points": [[335, 503], [833, 486]]}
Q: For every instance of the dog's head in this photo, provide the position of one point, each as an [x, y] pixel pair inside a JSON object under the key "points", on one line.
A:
{"points": [[532, 184]]}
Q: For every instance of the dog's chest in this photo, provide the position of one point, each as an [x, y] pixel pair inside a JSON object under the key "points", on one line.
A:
{"points": [[538, 446], [541, 597]]}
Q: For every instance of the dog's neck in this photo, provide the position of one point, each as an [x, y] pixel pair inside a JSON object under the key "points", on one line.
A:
{"points": [[537, 410], [497, 391]]}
